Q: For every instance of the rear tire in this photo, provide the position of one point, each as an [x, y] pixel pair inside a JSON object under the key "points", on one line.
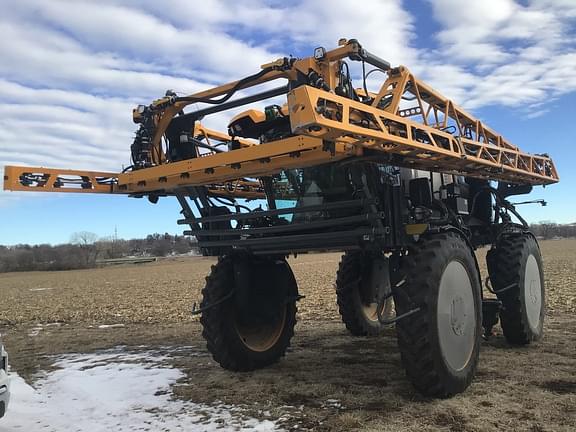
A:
{"points": [[516, 264], [358, 314], [440, 344], [253, 328]]}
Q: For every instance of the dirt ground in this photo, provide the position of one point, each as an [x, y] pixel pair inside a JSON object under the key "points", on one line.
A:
{"points": [[329, 380]]}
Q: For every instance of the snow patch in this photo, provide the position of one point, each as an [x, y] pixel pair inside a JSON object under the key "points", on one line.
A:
{"points": [[35, 331], [332, 403], [117, 391], [105, 326]]}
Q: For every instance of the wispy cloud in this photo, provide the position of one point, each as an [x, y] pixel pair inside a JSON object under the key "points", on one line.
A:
{"points": [[72, 71], [505, 53]]}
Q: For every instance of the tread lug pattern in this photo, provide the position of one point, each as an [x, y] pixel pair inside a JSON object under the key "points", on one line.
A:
{"points": [[505, 266], [417, 335], [222, 339], [347, 287]]}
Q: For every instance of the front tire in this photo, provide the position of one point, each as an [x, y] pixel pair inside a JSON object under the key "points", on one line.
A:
{"points": [[440, 343], [515, 268], [253, 328]]}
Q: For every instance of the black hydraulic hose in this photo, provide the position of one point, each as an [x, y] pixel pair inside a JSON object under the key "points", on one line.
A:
{"points": [[375, 70], [107, 181], [186, 121], [364, 79], [230, 93], [206, 146], [231, 203], [198, 311]]}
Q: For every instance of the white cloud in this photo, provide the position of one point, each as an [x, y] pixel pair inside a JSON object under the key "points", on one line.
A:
{"points": [[380, 24], [71, 71], [516, 55], [135, 34]]}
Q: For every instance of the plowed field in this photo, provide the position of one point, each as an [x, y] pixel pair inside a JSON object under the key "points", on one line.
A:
{"points": [[329, 380]]}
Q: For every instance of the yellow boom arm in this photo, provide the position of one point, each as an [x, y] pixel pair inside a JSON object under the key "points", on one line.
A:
{"points": [[407, 123]]}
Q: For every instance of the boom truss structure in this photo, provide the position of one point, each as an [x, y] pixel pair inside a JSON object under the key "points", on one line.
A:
{"points": [[405, 123]]}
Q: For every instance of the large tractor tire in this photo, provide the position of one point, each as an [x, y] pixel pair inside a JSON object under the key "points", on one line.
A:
{"points": [[440, 343], [253, 313], [359, 312], [515, 268]]}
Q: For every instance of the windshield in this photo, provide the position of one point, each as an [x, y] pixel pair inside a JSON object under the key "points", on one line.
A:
{"points": [[311, 187]]}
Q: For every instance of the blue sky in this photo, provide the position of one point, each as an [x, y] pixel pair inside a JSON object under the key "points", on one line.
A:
{"points": [[72, 71]]}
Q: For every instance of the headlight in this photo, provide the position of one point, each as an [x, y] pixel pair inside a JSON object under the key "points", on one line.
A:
{"points": [[319, 53]]}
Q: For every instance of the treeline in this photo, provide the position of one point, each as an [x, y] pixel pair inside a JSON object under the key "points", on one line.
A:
{"points": [[85, 250], [550, 230]]}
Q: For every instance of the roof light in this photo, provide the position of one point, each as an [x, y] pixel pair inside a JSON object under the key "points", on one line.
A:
{"points": [[319, 53]]}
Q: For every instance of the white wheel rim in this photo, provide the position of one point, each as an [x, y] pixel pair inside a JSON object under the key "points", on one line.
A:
{"points": [[456, 316], [533, 293], [370, 311]]}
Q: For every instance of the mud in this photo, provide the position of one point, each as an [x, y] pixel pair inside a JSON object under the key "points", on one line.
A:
{"points": [[328, 381]]}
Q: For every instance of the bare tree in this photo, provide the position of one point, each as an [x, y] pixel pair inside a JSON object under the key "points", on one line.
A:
{"points": [[83, 238], [548, 229], [87, 242]]}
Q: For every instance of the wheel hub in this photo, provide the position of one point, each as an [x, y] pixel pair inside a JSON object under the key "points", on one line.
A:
{"points": [[458, 315], [261, 337], [370, 311], [456, 318], [533, 292]]}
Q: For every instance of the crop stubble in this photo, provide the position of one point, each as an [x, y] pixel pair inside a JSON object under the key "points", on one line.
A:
{"points": [[516, 389]]}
